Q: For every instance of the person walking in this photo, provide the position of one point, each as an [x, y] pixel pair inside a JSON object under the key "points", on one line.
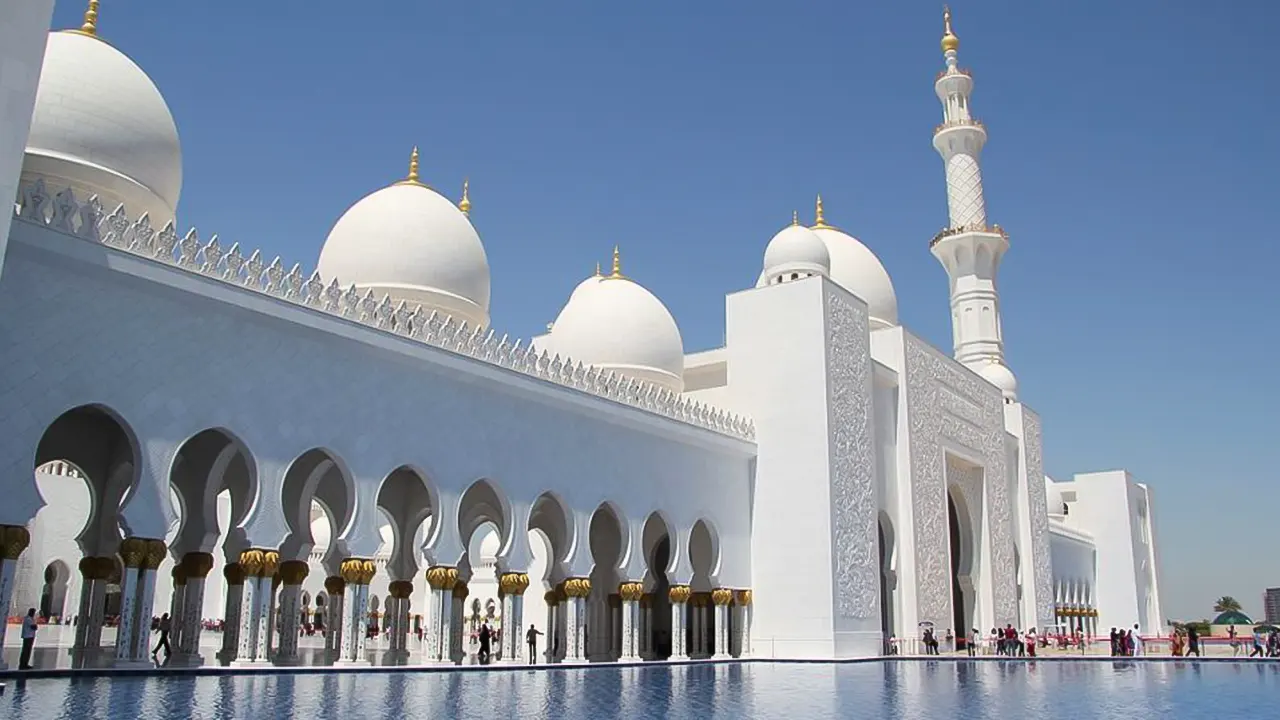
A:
{"points": [[531, 638], [972, 645], [163, 627], [485, 637], [1193, 642], [29, 627]]}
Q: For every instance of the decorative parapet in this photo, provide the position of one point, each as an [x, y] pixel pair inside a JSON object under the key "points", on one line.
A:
{"points": [[963, 122], [88, 221], [954, 71], [945, 233]]}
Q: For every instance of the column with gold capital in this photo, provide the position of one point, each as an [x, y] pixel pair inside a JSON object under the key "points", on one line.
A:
{"points": [[742, 601], [511, 587], [141, 558], [630, 594], [576, 591], [457, 623], [13, 540], [255, 604], [356, 573], [336, 588], [398, 616], [176, 600], [723, 600], [292, 573], [94, 574], [552, 599], [233, 574], [196, 567], [679, 596], [438, 647]]}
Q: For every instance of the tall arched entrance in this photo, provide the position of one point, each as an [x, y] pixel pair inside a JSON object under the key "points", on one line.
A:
{"points": [[53, 595], [961, 551]]}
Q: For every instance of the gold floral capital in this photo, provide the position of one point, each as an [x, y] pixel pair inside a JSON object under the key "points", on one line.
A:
{"points": [[679, 594], [252, 561], [631, 591], [234, 573], [577, 587], [13, 540], [513, 583], [270, 563], [335, 585], [442, 577], [133, 552], [460, 590], [293, 572], [358, 571], [156, 552], [197, 564], [179, 576], [743, 597], [400, 589], [550, 597], [722, 596], [97, 568]]}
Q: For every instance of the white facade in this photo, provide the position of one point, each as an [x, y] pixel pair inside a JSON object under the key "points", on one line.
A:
{"points": [[823, 481]]}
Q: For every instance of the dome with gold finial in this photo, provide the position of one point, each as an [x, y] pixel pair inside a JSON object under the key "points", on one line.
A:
{"points": [[856, 269], [950, 43], [612, 322], [795, 252], [412, 243], [101, 127]]}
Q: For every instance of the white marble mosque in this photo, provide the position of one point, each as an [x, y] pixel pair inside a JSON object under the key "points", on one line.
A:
{"points": [[200, 429]]}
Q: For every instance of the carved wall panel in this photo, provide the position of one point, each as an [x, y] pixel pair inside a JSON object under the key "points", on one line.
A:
{"points": [[1036, 498], [854, 510]]}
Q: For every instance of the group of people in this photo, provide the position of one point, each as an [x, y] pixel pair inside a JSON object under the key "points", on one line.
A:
{"points": [[1128, 643], [1010, 642]]}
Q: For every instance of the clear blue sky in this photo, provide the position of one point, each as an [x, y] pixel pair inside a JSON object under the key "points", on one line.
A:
{"points": [[1132, 157]]}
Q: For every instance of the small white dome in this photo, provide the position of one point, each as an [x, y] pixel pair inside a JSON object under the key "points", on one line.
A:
{"points": [[614, 323], [101, 127], [1002, 377], [856, 269], [410, 242], [796, 251]]}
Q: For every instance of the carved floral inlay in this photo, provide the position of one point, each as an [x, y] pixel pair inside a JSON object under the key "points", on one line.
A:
{"points": [[1039, 515], [854, 510], [88, 220]]}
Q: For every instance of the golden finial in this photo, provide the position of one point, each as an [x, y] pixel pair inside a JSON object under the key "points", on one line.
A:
{"points": [[465, 203], [795, 217], [90, 26], [413, 167], [598, 269], [819, 219], [617, 264], [950, 42]]}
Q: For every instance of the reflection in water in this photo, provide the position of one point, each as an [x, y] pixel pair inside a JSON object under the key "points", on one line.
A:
{"points": [[911, 690]]}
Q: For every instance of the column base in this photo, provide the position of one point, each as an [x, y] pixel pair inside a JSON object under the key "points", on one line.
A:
{"points": [[352, 663], [133, 664], [89, 657], [186, 660], [286, 660], [395, 657], [251, 663]]}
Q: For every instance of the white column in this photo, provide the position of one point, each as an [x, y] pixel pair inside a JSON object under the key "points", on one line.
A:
{"points": [[22, 41], [272, 613], [458, 645], [197, 566], [630, 649], [512, 586], [94, 572], [679, 596], [255, 605], [742, 601], [233, 573], [13, 540], [439, 635], [548, 642], [645, 632], [577, 590], [722, 597], [177, 598], [562, 625], [397, 610], [356, 572], [334, 611], [137, 594], [292, 573]]}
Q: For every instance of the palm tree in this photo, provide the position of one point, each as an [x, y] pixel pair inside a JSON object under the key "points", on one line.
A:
{"points": [[1226, 603]]}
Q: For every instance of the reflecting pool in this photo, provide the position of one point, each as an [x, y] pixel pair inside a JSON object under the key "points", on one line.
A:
{"points": [[1045, 690]]}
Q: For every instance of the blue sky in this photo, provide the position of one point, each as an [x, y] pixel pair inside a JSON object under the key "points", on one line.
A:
{"points": [[1132, 157]]}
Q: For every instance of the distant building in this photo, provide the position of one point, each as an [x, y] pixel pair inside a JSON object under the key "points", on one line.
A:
{"points": [[1271, 605]]}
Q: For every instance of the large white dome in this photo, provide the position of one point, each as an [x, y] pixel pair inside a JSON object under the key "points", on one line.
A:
{"points": [[414, 244], [611, 322], [855, 268], [101, 127]]}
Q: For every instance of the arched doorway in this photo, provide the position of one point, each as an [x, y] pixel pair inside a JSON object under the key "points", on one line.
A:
{"points": [[606, 541], [656, 608], [53, 595], [888, 579], [961, 551]]}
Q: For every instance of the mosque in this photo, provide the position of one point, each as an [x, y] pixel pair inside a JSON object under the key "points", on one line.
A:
{"points": [[199, 429]]}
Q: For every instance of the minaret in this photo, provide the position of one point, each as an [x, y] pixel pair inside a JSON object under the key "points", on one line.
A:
{"points": [[969, 248]]}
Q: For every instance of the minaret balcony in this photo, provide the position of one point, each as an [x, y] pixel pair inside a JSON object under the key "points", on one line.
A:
{"points": [[964, 135], [951, 83], [961, 123], [993, 231]]}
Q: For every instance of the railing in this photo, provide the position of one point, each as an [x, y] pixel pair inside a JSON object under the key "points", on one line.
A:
{"points": [[964, 122], [86, 220], [948, 232], [954, 71]]}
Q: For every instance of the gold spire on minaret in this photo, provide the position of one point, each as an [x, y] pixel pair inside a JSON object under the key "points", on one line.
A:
{"points": [[617, 265], [795, 217], [413, 168], [465, 203], [950, 42], [598, 273], [90, 26]]}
